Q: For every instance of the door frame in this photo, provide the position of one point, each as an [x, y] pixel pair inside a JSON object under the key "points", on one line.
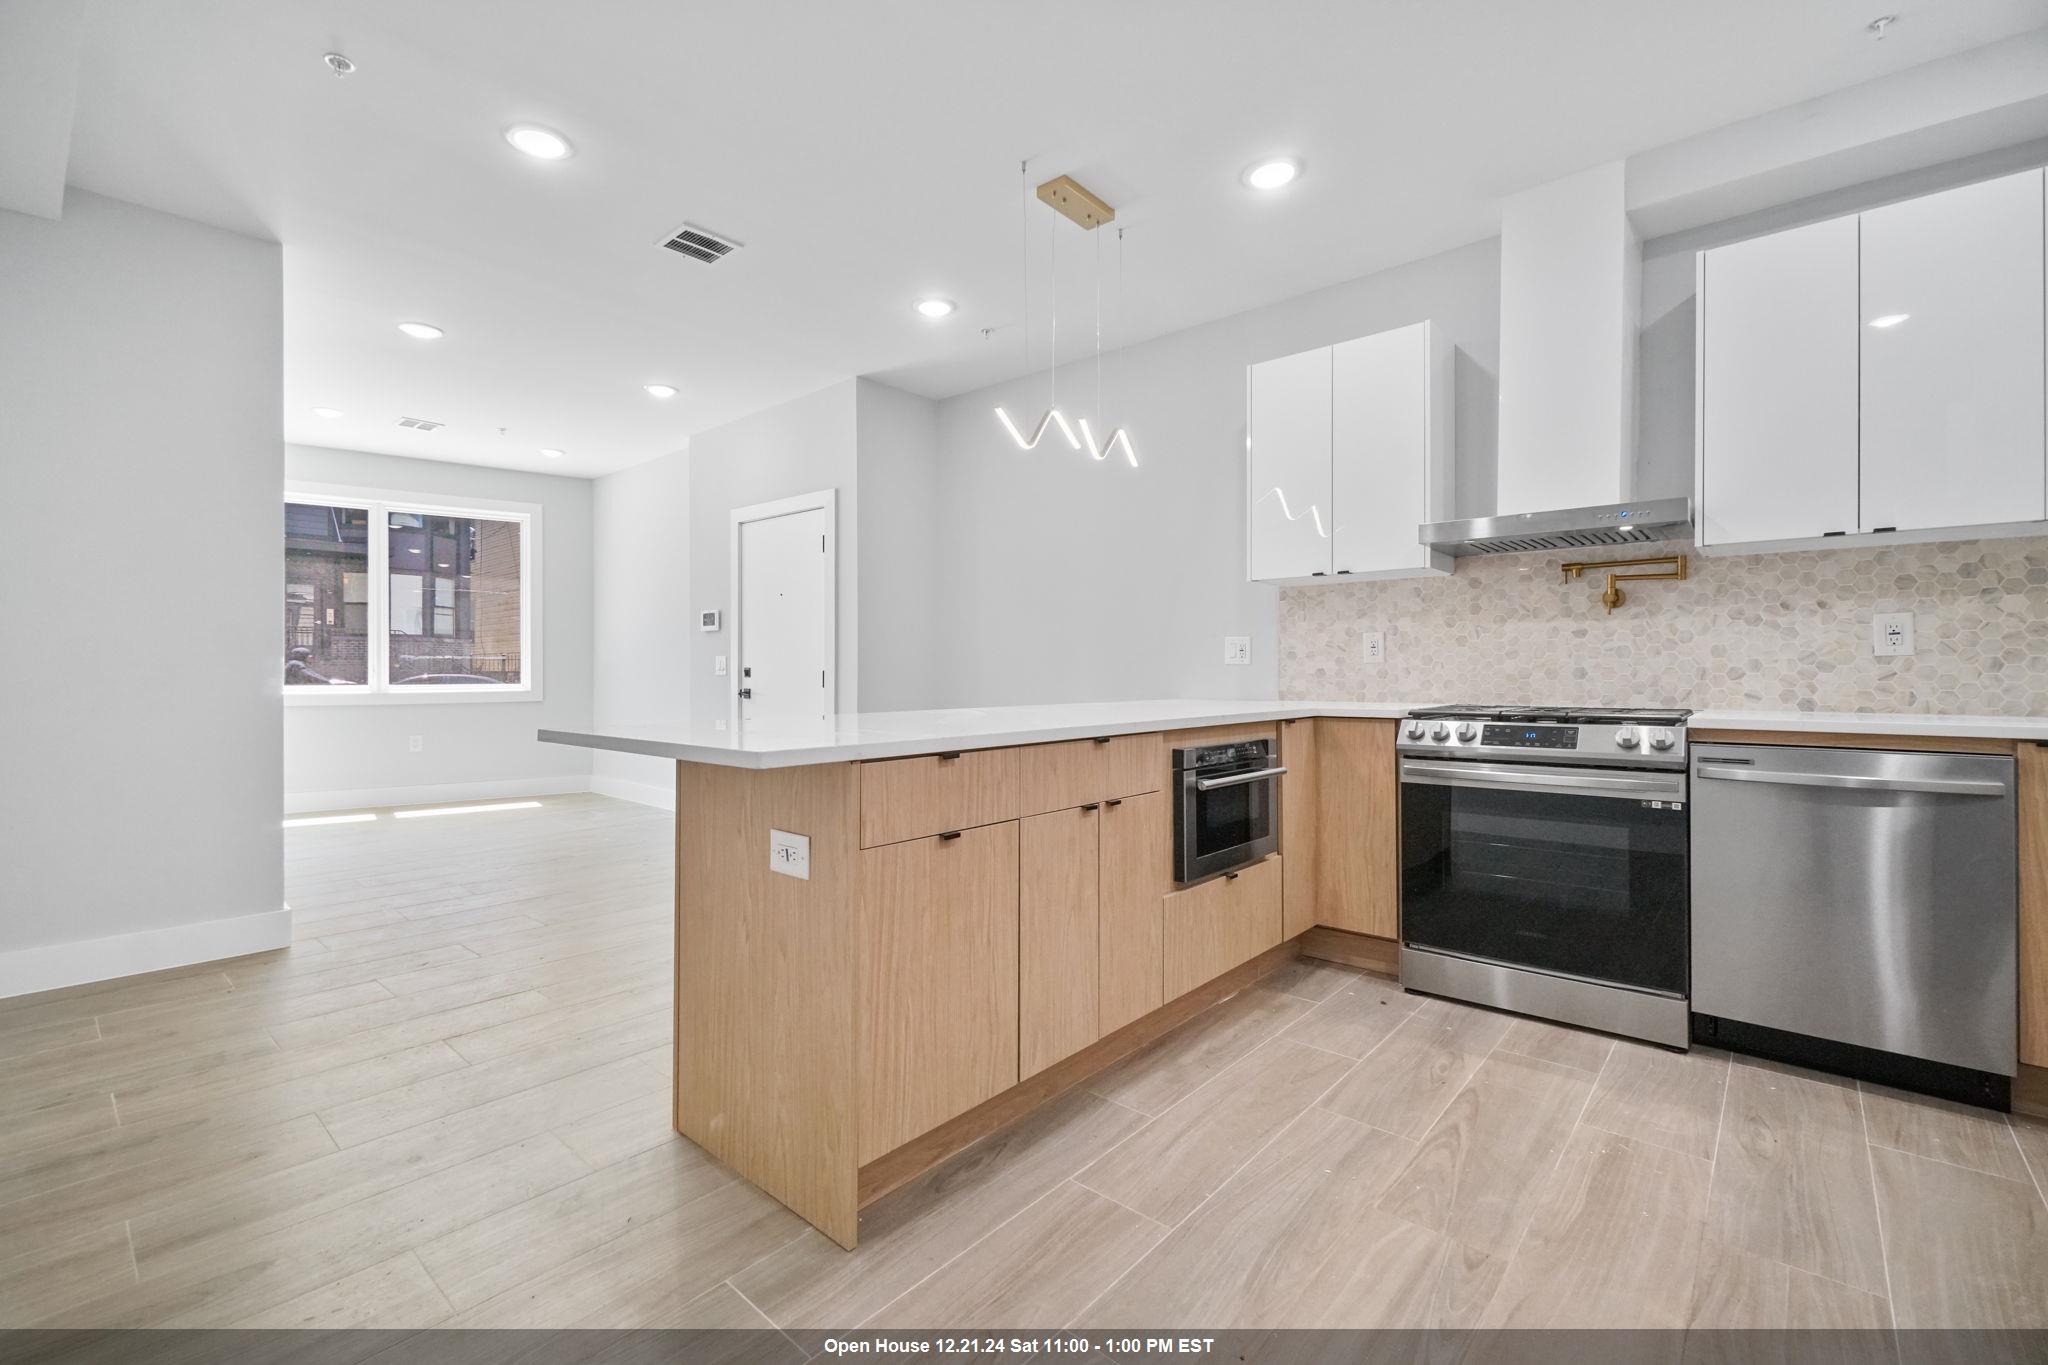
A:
{"points": [[826, 500]]}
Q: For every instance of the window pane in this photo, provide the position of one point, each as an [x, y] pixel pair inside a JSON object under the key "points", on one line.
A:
{"points": [[455, 607], [326, 564]]}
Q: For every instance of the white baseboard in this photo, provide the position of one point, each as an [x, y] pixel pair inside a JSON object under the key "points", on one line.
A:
{"points": [[646, 793], [28, 970], [309, 803]]}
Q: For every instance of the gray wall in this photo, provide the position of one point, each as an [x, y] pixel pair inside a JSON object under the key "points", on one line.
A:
{"points": [[352, 754], [900, 565], [801, 446], [645, 619], [141, 463], [1065, 580]]}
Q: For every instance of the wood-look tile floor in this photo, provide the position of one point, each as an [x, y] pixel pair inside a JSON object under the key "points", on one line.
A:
{"points": [[449, 1104]]}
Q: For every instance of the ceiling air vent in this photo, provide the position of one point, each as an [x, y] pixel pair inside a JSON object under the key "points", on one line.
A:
{"points": [[700, 244], [420, 424]]}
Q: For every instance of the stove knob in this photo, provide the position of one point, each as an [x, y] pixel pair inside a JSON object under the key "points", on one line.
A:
{"points": [[1466, 732], [1662, 739], [1440, 732], [1415, 729], [1627, 737]]}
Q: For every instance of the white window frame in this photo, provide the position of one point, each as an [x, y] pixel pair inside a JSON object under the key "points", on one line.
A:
{"points": [[379, 691]]}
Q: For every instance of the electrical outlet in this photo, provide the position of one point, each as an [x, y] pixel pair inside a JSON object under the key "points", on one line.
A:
{"points": [[718, 665], [789, 854], [1375, 647], [1891, 634], [417, 743], [1237, 649]]}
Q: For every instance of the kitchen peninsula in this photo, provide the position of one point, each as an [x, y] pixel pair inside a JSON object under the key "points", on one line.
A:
{"points": [[898, 932]]}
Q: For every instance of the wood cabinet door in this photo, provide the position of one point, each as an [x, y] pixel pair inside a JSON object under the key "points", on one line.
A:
{"points": [[1058, 932], [1952, 358], [2033, 792], [1776, 398], [1300, 805], [1213, 927], [1381, 419], [938, 981], [1289, 450], [1136, 870], [1358, 876]]}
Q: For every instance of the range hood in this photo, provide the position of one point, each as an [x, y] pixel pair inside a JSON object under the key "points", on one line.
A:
{"points": [[1566, 479], [1575, 528]]}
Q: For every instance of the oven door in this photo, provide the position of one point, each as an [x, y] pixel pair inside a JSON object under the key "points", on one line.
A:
{"points": [[1573, 871], [1228, 819]]}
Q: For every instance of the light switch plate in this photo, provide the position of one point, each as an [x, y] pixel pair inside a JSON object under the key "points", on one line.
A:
{"points": [[789, 854], [1237, 649], [718, 665], [1891, 634], [1375, 646]]}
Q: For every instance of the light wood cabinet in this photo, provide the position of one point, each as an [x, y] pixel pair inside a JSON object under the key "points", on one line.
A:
{"points": [[1358, 874], [1213, 926], [1077, 772], [1288, 445], [909, 798], [1952, 358], [938, 981], [1135, 852], [1300, 821], [2033, 797], [1058, 935]]}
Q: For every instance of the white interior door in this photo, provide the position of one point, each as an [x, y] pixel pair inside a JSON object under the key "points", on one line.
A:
{"points": [[786, 583]]}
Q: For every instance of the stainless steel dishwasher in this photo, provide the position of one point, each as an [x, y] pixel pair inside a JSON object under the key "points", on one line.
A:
{"points": [[1858, 909]]}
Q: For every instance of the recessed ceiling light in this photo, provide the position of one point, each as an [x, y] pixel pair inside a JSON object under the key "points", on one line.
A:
{"points": [[1890, 320], [543, 144], [327, 412], [338, 64], [935, 308], [552, 454], [421, 331], [661, 390], [1273, 173]]}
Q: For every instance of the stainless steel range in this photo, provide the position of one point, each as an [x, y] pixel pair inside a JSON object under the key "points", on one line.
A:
{"points": [[1544, 863]]}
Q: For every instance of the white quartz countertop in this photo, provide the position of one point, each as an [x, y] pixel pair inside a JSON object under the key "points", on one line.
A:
{"points": [[1874, 723], [898, 734]]}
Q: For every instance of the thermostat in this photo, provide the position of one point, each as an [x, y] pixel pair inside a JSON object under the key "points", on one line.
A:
{"points": [[707, 620]]}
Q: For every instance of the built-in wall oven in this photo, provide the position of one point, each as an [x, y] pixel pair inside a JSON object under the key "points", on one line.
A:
{"points": [[1545, 864], [1226, 808]]}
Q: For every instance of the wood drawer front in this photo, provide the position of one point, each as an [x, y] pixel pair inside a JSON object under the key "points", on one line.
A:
{"points": [[1081, 771], [1058, 924], [938, 981], [909, 798], [1212, 927]]}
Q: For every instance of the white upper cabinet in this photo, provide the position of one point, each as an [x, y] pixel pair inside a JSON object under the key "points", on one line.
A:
{"points": [[1390, 445], [1877, 376], [1952, 359], [1288, 434], [1349, 454], [1777, 387]]}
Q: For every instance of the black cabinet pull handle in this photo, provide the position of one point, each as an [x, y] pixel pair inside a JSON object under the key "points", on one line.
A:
{"points": [[1883, 530], [948, 758], [1119, 800], [1825, 534], [949, 834], [1230, 876], [1091, 806], [1104, 739]]}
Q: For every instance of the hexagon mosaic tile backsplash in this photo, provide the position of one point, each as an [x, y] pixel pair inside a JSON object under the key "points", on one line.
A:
{"points": [[1765, 632]]}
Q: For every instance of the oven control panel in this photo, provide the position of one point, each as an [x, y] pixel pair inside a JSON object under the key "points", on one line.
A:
{"points": [[1530, 736]]}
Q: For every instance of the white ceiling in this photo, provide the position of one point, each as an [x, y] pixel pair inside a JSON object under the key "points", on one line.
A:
{"points": [[866, 153]]}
